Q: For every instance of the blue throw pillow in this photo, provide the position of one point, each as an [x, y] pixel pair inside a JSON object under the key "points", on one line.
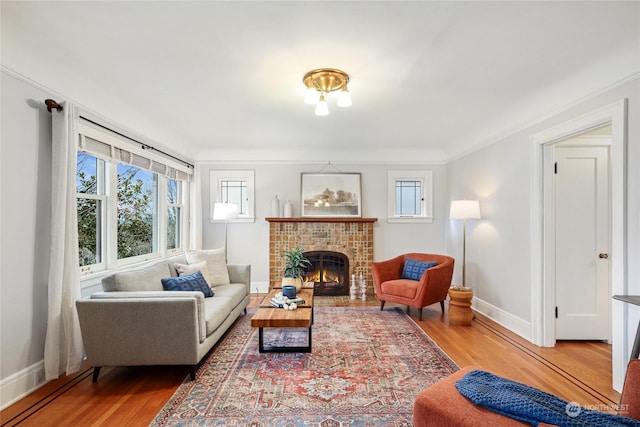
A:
{"points": [[188, 282], [414, 269]]}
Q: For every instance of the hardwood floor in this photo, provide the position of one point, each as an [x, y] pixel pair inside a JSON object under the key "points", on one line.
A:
{"points": [[132, 396]]}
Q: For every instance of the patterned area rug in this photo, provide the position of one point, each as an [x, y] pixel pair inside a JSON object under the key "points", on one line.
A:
{"points": [[366, 368]]}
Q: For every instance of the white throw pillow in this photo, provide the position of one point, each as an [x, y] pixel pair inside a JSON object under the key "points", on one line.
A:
{"points": [[216, 264], [183, 269]]}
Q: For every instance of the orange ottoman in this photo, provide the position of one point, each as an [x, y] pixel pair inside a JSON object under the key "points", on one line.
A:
{"points": [[442, 405]]}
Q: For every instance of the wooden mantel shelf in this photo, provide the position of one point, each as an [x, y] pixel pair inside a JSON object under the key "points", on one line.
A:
{"points": [[321, 219]]}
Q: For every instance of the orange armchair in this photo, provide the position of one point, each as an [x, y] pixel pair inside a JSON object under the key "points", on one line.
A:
{"points": [[431, 288]]}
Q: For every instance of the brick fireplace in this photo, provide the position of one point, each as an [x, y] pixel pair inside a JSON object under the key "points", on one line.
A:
{"points": [[352, 237]]}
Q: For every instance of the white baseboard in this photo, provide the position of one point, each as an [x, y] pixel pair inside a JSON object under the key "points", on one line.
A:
{"points": [[508, 320], [20, 384], [260, 287]]}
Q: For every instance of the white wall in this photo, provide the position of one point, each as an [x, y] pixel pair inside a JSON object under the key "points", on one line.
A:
{"points": [[249, 242], [498, 245], [25, 206]]}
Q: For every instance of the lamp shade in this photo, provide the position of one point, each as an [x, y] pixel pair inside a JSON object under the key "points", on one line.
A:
{"points": [[322, 109], [311, 96], [344, 99], [224, 211], [464, 209]]}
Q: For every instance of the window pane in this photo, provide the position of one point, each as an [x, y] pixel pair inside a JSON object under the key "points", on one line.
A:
{"points": [[172, 191], [408, 197], [137, 211], [234, 192], [173, 213], [89, 220], [173, 227], [88, 174]]}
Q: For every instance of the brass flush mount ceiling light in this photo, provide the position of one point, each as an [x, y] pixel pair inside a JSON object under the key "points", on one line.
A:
{"points": [[323, 81]]}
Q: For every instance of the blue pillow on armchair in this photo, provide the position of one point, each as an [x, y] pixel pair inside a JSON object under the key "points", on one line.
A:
{"points": [[413, 269], [188, 282]]}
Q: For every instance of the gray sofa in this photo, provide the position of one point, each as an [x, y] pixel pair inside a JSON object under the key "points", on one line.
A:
{"points": [[136, 322]]}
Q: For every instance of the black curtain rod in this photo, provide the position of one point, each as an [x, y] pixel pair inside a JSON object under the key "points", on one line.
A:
{"points": [[142, 144], [50, 103]]}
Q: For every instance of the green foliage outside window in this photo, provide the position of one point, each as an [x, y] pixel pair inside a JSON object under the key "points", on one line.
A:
{"points": [[136, 209]]}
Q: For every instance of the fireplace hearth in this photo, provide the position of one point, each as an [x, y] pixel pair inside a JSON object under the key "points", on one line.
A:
{"points": [[329, 272]]}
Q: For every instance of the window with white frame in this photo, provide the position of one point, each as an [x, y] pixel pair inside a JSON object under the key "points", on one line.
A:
{"points": [[233, 186], [91, 205], [410, 196], [132, 205]]}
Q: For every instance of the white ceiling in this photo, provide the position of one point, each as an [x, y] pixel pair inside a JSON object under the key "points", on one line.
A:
{"points": [[429, 80]]}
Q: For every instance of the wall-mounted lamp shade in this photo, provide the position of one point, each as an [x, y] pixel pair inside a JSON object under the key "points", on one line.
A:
{"points": [[464, 209], [225, 211]]}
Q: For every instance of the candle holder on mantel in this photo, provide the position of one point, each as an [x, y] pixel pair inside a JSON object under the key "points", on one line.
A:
{"points": [[363, 288], [353, 290]]}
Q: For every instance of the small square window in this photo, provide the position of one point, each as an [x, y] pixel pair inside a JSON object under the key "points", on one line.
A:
{"points": [[234, 191], [233, 186], [410, 196]]}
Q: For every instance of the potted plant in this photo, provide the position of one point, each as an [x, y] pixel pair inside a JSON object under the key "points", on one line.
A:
{"points": [[295, 263]]}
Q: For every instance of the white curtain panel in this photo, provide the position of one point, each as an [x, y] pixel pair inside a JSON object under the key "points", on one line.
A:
{"points": [[63, 350], [195, 231]]}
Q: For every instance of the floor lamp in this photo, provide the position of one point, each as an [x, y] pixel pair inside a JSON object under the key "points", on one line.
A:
{"points": [[225, 212], [464, 210]]}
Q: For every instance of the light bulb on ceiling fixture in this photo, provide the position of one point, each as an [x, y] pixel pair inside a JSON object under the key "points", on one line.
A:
{"points": [[322, 109], [344, 99], [311, 96]]}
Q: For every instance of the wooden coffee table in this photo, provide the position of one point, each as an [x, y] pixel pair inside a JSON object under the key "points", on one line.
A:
{"points": [[268, 316]]}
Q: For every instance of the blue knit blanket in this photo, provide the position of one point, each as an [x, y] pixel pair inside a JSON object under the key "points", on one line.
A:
{"points": [[528, 404]]}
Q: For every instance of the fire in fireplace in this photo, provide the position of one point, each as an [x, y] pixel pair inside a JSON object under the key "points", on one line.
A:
{"points": [[329, 271]]}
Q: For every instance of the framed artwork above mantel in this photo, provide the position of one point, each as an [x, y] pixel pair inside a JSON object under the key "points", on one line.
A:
{"points": [[332, 195]]}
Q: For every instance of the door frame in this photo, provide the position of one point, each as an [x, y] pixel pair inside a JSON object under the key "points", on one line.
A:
{"points": [[542, 290]]}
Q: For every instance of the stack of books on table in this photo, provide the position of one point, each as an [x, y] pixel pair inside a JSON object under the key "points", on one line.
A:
{"points": [[280, 303]]}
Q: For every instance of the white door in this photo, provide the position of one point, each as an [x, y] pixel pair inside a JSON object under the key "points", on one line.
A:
{"points": [[582, 243]]}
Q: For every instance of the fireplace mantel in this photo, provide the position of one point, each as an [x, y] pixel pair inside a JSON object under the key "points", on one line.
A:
{"points": [[321, 219]]}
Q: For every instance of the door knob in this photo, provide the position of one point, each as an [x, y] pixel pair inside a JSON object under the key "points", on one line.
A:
{"points": [[603, 256]]}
